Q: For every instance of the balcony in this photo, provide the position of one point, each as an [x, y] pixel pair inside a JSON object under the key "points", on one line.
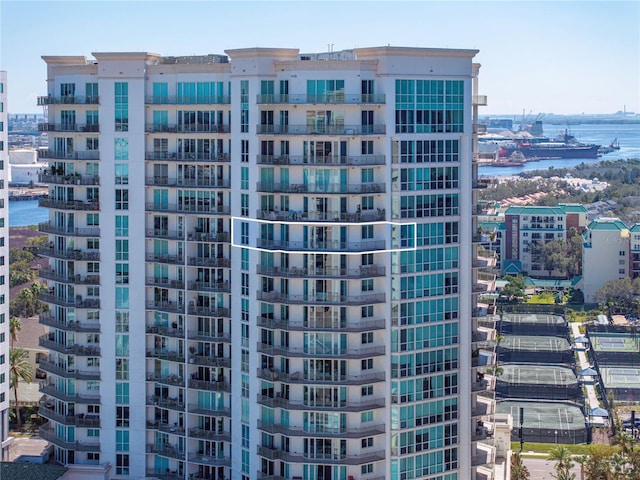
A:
{"points": [[332, 188], [208, 336], [206, 208], [208, 311], [321, 404], [210, 286], [209, 435], [65, 371], [69, 325], [329, 457], [170, 403], [69, 100], [172, 380], [68, 127], [209, 361], [161, 474], [166, 451], [65, 155], [187, 182], [80, 420], [334, 217], [196, 409], [364, 271], [165, 258], [479, 128], [187, 157], [210, 460], [49, 435], [165, 331], [210, 386], [50, 389], [319, 378], [328, 324], [200, 236], [342, 432], [69, 254], [482, 457], [321, 298], [480, 100], [48, 227], [321, 129], [481, 183], [165, 428], [75, 302], [328, 161], [48, 341], [187, 100], [482, 409], [329, 351], [180, 128], [164, 234], [69, 179], [49, 273], [164, 283], [169, 307], [336, 98], [208, 262], [164, 354], [328, 246], [89, 205]]}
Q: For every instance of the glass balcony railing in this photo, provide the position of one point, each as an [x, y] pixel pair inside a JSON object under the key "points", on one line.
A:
{"points": [[337, 98], [321, 129]]}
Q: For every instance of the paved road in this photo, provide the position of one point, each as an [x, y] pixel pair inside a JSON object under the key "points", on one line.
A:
{"points": [[541, 468]]}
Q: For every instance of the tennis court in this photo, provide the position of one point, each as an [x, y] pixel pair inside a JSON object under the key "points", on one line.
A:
{"points": [[533, 324], [547, 422], [623, 382], [540, 382], [615, 349], [535, 349], [613, 344]]}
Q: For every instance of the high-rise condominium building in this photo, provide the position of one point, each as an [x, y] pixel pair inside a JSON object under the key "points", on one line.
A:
{"points": [[4, 272], [262, 265]]}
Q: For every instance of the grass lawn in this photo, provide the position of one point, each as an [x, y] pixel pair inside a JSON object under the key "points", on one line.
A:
{"points": [[545, 448]]}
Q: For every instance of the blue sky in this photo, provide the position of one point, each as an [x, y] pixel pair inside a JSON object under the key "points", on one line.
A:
{"points": [[540, 56]]}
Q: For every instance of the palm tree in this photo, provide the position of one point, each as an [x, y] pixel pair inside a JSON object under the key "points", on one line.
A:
{"points": [[19, 369], [15, 326], [562, 456], [617, 466], [518, 469]]}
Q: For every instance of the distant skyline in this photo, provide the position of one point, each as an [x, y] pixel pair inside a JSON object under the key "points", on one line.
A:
{"points": [[568, 57]]}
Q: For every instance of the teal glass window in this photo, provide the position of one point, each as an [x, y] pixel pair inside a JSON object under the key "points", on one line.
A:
{"points": [[121, 106]]}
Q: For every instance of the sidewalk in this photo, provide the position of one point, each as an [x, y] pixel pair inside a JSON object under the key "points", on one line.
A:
{"points": [[582, 357]]}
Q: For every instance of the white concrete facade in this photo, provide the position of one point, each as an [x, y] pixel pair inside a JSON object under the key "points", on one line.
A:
{"points": [[4, 270], [605, 254], [280, 283]]}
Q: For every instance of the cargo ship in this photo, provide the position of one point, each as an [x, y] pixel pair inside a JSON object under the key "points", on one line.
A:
{"points": [[564, 147]]}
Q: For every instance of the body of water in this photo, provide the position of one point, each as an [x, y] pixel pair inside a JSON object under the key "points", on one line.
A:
{"points": [[26, 212], [600, 134]]}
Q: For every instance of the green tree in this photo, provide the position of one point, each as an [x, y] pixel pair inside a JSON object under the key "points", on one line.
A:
{"points": [[596, 466], [27, 303], [15, 326], [20, 270], [19, 369], [37, 242], [564, 463], [515, 287], [619, 294], [518, 469]]}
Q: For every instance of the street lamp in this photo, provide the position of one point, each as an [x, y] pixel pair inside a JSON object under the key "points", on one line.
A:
{"points": [[556, 437]]}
